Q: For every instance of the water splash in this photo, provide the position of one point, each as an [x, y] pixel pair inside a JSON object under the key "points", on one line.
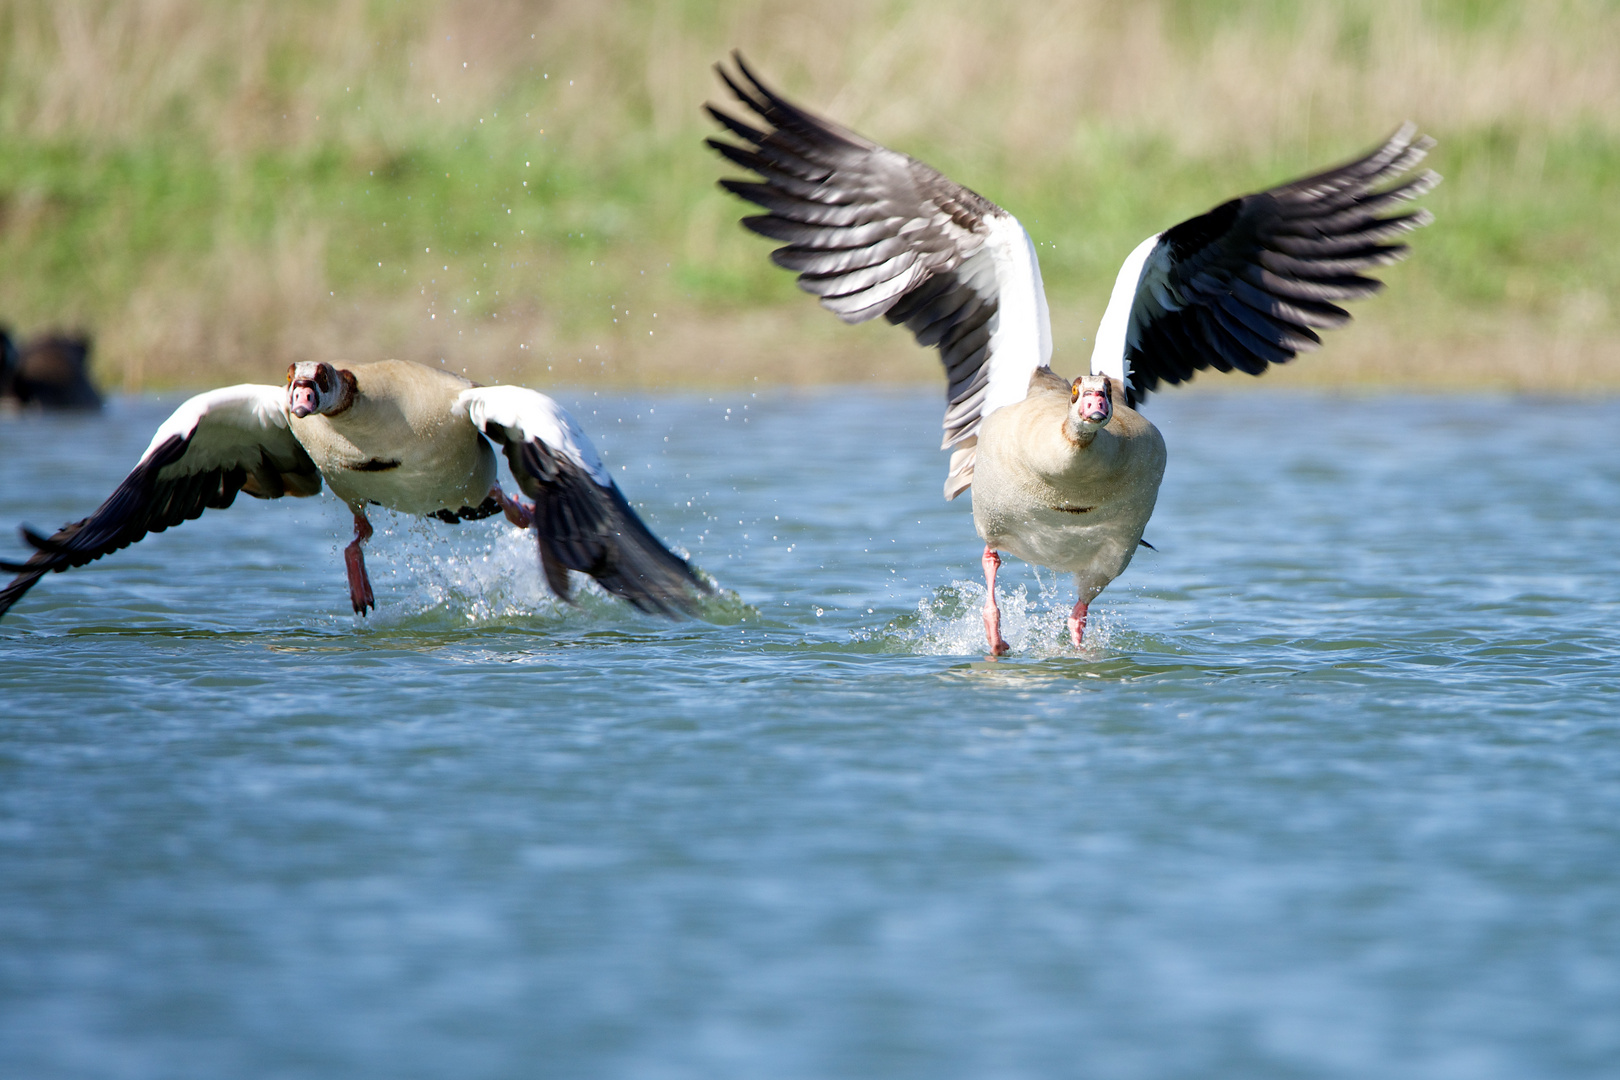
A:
{"points": [[479, 574], [951, 623]]}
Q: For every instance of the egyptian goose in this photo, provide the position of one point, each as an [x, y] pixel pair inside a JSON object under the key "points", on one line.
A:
{"points": [[47, 372], [395, 434], [1064, 474]]}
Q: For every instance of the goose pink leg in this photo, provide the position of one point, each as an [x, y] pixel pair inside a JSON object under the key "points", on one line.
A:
{"points": [[359, 583], [1077, 624], [517, 511], [992, 614]]}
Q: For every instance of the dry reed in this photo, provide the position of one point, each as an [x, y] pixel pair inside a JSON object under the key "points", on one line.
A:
{"points": [[1021, 100]]}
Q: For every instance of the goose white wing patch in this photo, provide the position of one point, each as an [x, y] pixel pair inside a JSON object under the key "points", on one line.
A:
{"points": [[532, 415], [1021, 341], [220, 424], [1108, 355]]}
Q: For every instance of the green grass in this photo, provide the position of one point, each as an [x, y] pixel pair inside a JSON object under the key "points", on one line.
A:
{"points": [[207, 214]]}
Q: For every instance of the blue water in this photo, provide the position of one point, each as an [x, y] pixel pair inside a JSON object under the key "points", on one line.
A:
{"points": [[1334, 791]]}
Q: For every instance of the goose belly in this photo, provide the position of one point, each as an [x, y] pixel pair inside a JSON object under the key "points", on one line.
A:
{"points": [[1095, 546], [1089, 526], [421, 487], [417, 476]]}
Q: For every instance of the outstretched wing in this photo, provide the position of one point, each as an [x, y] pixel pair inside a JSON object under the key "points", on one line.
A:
{"points": [[1249, 283], [874, 232], [216, 444], [580, 516]]}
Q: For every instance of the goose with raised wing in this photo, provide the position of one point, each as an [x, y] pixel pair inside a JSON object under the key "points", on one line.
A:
{"points": [[399, 435], [1064, 473]]}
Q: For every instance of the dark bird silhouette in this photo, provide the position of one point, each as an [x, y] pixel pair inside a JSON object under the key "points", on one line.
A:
{"points": [[51, 371]]}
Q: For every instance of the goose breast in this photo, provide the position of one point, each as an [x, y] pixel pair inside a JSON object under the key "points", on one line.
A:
{"points": [[401, 444], [1036, 498]]}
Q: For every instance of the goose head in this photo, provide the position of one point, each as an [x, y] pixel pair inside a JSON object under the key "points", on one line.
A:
{"points": [[318, 388], [1091, 405]]}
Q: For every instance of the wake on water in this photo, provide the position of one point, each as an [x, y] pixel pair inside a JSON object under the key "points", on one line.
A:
{"points": [[474, 575], [425, 574]]}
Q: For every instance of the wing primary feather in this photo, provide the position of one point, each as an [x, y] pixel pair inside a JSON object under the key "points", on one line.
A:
{"points": [[873, 300], [874, 232], [1304, 313], [783, 157], [1329, 248], [929, 295], [838, 260], [744, 96], [1341, 288], [806, 211], [784, 113], [735, 126], [787, 181], [970, 382], [1279, 263], [817, 238], [855, 279], [1250, 352]]}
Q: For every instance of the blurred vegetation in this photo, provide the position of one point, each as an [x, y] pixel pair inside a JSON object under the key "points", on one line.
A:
{"points": [[216, 189]]}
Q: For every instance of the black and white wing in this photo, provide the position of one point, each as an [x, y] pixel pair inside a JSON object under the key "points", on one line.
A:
{"points": [[581, 517], [216, 444], [1249, 283], [874, 232]]}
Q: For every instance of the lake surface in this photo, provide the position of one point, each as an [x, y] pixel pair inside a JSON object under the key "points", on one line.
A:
{"points": [[1333, 792]]}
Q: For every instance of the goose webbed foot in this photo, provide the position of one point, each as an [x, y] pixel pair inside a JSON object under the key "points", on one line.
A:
{"points": [[517, 511], [1077, 624], [992, 614], [359, 582]]}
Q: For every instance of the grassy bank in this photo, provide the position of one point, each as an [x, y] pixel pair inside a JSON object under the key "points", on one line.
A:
{"points": [[218, 189]]}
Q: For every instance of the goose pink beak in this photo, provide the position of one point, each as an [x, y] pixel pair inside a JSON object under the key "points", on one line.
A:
{"points": [[1095, 407], [303, 399]]}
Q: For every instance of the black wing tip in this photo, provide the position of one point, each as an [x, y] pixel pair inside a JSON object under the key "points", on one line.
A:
{"points": [[784, 115], [1395, 157], [748, 72], [672, 588], [674, 597], [39, 541], [721, 117], [43, 561], [18, 587], [1407, 137], [586, 525], [1399, 153], [743, 95]]}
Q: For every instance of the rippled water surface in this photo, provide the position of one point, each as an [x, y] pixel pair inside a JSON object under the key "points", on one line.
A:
{"points": [[1335, 791]]}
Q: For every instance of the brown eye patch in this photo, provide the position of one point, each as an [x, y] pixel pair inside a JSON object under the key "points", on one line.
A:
{"points": [[323, 378]]}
